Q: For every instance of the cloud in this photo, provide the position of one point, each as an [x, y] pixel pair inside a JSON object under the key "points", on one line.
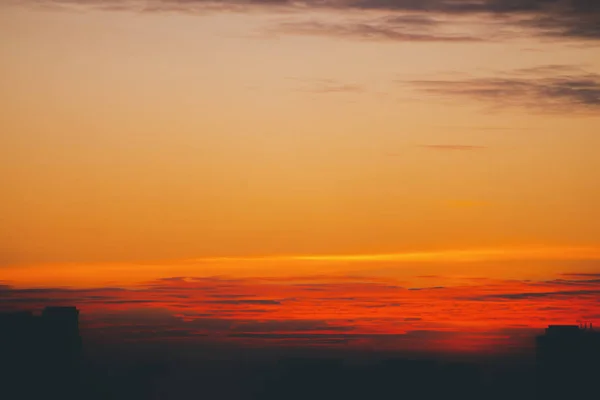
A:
{"points": [[344, 309], [339, 88], [570, 282], [583, 275], [578, 19], [398, 29], [533, 295], [570, 19], [574, 23], [543, 89], [327, 86]]}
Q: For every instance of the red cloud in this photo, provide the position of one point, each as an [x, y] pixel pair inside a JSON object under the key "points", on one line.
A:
{"points": [[475, 316]]}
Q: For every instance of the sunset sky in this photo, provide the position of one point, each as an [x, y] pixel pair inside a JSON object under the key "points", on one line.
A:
{"points": [[390, 171]]}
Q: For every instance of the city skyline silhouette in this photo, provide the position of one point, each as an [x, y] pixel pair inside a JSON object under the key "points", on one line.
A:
{"points": [[47, 350]]}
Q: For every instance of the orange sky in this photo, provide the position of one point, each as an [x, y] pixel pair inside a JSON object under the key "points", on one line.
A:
{"points": [[203, 139]]}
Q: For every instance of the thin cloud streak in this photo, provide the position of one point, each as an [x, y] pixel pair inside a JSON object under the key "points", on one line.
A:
{"points": [[449, 255], [380, 30], [544, 89]]}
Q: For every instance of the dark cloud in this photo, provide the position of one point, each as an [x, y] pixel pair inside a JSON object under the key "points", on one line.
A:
{"points": [[132, 301], [574, 25], [579, 282], [428, 288], [574, 19], [544, 89], [578, 19], [549, 69], [13, 298], [13, 290], [534, 295], [583, 275]]}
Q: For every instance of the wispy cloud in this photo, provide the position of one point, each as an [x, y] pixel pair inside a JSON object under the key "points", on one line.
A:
{"points": [[583, 275], [571, 294], [340, 311], [327, 86], [570, 19], [398, 29], [543, 89]]}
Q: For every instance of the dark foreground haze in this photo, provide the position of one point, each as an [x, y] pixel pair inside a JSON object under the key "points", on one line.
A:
{"points": [[44, 356]]}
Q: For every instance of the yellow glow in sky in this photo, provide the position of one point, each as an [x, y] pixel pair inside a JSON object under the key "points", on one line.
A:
{"points": [[134, 137]]}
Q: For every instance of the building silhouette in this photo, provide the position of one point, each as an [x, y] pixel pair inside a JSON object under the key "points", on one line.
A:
{"points": [[568, 362], [394, 379], [40, 354]]}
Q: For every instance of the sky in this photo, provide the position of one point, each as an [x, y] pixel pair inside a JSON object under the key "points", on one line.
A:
{"points": [[372, 173]]}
